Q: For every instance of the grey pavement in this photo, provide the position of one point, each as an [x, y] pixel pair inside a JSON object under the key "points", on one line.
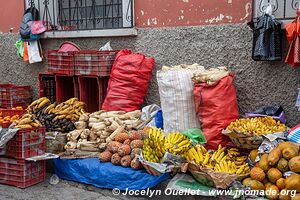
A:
{"points": [[68, 190]]}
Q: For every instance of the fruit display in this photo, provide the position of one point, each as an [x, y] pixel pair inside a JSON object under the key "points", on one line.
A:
{"points": [[97, 129], [257, 126], [153, 149], [222, 160], [268, 174], [120, 151], [27, 121], [60, 117], [6, 117]]}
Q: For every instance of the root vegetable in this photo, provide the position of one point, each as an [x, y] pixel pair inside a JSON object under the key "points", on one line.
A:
{"points": [[105, 156], [117, 131], [80, 125], [73, 135], [93, 136], [136, 164], [113, 146], [124, 150], [126, 161], [98, 126], [71, 145], [84, 117], [116, 159]]}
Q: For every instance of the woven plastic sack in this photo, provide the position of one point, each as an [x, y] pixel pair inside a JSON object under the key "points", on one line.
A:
{"points": [[216, 107], [176, 97], [128, 83]]}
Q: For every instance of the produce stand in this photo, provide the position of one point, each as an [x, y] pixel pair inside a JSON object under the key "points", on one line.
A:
{"points": [[90, 114]]}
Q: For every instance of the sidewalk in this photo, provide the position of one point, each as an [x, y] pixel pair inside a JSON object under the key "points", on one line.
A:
{"points": [[68, 190]]}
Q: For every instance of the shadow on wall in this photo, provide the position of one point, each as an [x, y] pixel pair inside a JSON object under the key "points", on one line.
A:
{"points": [[257, 83]]}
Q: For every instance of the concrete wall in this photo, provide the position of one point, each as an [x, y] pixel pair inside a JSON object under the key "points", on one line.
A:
{"points": [[257, 83]]}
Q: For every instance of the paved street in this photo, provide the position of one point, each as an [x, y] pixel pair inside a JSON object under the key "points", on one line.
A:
{"points": [[67, 190]]}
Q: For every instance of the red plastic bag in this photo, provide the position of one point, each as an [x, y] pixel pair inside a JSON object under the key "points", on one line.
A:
{"points": [[292, 33], [216, 107], [128, 83]]}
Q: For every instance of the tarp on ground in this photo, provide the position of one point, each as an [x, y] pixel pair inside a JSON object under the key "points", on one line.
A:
{"points": [[105, 175]]}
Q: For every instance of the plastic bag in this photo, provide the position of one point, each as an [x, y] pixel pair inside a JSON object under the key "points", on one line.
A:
{"points": [[149, 113], [159, 120], [128, 82], [20, 48], [294, 134], [267, 38], [34, 52], [188, 185], [195, 135], [176, 96], [106, 47], [25, 53], [216, 107]]}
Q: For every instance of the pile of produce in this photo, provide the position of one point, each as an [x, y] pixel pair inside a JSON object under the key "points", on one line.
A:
{"points": [[27, 121], [9, 119], [156, 145], [99, 128], [123, 149], [211, 76], [59, 117], [257, 126], [268, 172], [221, 160]]}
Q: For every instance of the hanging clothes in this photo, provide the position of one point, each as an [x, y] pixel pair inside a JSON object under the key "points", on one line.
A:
{"points": [[292, 33], [267, 37]]}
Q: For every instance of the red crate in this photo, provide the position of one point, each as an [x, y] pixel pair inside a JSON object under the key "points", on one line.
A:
{"points": [[48, 86], [61, 62], [27, 143], [96, 63], [21, 173], [92, 91], [66, 88], [9, 112], [13, 96]]}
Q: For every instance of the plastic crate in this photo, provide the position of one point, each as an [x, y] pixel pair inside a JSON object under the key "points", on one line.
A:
{"points": [[48, 86], [13, 96], [96, 63], [9, 112], [66, 87], [61, 62], [92, 91], [21, 173], [27, 143]]}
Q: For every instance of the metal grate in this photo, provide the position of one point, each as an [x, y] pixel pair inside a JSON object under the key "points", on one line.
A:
{"points": [[85, 14], [282, 9]]}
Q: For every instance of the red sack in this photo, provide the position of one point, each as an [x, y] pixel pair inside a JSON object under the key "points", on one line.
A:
{"points": [[216, 107], [128, 83]]}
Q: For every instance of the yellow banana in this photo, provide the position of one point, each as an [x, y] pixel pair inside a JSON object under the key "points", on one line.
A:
{"points": [[206, 159], [43, 103], [196, 156]]}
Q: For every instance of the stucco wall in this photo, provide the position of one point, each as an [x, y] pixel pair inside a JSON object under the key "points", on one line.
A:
{"points": [[257, 83]]}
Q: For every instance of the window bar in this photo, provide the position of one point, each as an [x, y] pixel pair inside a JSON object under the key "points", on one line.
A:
{"points": [[54, 18], [118, 13], [70, 14], [104, 15], [112, 13], [86, 15]]}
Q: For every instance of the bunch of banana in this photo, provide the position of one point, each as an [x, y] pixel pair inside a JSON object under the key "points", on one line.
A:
{"points": [[257, 126], [38, 104], [153, 150], [27, 121], [177, 144], [221, 160]]}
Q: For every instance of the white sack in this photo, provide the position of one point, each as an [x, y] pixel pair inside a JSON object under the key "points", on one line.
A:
{"points": [[176, 96]]}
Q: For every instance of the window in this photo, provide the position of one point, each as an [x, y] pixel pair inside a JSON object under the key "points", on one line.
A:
{"points": [[284, 10], [86, 17]]}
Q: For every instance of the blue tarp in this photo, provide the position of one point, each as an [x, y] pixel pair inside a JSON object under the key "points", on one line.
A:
{"points": [[105, 175]]}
